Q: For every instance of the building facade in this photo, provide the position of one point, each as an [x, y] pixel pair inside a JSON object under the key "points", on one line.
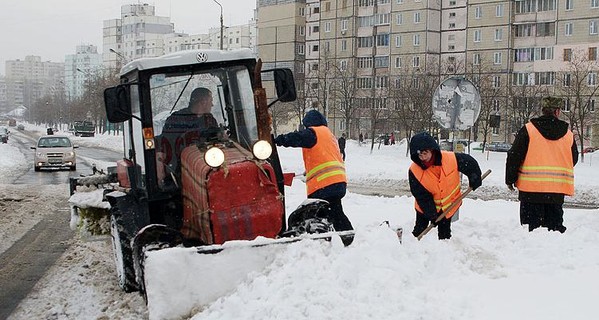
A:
{"points": [[381, 50], [78, 67]]}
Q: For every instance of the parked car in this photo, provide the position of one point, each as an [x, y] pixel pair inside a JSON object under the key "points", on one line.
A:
{"points": [[589, 149], [20, 127], [498, 146], [54, 152], [4, 134]]}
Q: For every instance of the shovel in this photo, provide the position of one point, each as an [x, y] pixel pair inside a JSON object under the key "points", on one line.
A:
{"points": [[455, 203]]}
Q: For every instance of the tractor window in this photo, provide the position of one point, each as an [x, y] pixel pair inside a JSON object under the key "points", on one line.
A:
{"points": [[185, 105]]}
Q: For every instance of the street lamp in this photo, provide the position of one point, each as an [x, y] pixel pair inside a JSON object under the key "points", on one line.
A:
{"points": [[221, 24], [120, 55]]}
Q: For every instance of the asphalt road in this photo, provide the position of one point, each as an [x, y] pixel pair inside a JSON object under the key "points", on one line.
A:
{"points": [[28, 259]]}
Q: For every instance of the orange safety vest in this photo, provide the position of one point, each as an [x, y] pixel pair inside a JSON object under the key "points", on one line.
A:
{"points": [[548, 166], [445, 188], [323, 162]]}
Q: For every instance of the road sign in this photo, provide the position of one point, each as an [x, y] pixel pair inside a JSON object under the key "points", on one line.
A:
{"points": [[456, 104]]}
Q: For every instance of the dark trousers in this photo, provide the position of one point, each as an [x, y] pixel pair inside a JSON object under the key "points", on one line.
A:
{"points": [[443, 228], [549, 215], [333, 194], [343, 154]]}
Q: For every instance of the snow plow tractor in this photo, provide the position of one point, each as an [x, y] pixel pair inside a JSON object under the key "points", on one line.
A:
{"points": [[202, 184]]}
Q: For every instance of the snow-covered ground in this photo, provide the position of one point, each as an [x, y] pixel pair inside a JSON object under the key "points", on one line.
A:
{"points": [[492, 268]]}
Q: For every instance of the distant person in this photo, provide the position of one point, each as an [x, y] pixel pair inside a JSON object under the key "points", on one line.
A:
{"points": [[341, 143], [434, 178], [325, 171], [540, 164], [361, 138], [392, 138]]}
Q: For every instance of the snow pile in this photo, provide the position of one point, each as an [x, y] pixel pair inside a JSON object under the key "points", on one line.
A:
{"points": [[12, 162]]}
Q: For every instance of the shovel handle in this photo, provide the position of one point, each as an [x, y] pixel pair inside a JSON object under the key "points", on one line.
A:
{"points": [[453, 204]]}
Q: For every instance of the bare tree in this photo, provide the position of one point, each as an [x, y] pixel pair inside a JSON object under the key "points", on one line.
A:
{"points": [[345, 94], [579, 88]]}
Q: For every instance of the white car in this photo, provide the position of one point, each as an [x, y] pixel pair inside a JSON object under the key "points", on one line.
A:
{"points": [[54, 152]]}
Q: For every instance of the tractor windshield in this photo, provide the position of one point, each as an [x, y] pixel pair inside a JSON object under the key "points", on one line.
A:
{"points": [[194, 107], [231, 105]]}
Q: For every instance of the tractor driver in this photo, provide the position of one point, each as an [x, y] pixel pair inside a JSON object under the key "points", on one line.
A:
{"points": [[183, 128]]}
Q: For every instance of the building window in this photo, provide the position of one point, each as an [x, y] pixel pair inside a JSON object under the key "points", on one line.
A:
{"points": [[343, 65], [451, 47], [478, 12], [416, 62], [416, 40], [566, 105], [451, 25], [592, 79], [382, 19], [592, 105], [569, 4], [381, 62], [364, 63], [496, 106], [365, 42], [327, 26], [416, 17], [315, 48], [452, 2], [452, 14], [476, 59], [316, 10], [594, 3], [593, 24], [593, 53], [397, 62], [567, 80], [498, 34], [315, 29], [568, 28], [545, 29], [567, 54], [399, 1], [302, 11], [344, 45], [499, 10], [344, 23], [398, 19], [497, 58], [397, 41], [300, 49], [545, 78], [477, 35], [496, 81], [382, 40]]}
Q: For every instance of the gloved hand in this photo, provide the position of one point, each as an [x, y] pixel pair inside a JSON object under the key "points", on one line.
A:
{"points": [[431, 216], [510, 186], [278, 140], [475, 183]]}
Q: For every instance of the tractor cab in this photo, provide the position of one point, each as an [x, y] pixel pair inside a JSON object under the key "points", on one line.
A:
{"points": [[181, 161]]}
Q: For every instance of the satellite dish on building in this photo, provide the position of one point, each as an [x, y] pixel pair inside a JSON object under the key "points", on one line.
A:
{"points": [[456, 104]]}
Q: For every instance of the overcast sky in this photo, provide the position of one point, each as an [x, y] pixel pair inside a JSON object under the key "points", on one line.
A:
{"points": [[53, 28]]}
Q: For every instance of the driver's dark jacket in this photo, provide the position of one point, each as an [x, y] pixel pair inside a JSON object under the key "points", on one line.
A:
{"points": [[181, 129]]}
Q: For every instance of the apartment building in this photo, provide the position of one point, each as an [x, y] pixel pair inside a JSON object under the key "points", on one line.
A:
{"points": [[30, 79], [79, 67], [517, 50]]}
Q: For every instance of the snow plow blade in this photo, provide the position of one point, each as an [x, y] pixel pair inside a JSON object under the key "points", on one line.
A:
{"points": [[207, 273]]}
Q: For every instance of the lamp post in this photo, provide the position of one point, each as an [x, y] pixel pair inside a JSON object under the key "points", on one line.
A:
{"points": [[221, 24]]}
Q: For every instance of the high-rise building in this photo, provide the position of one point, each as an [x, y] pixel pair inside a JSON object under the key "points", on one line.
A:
{"points": [[514, 51], [30, 79], [79, 67]]}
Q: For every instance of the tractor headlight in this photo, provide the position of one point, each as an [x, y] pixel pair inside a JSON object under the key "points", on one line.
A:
{"points": [[262, 150], [214, 157]]}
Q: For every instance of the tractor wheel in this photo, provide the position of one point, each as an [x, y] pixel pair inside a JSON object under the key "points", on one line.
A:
{"points": [[123, 254], [73, 168]]}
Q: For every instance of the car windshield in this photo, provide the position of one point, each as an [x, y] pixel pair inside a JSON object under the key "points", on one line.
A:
{"points": [[55, 142]]}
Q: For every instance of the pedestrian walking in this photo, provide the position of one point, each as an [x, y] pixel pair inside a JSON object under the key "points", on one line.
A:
{"points": [[341, 142]]}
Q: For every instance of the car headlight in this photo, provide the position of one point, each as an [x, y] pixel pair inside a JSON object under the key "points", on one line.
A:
{"points": [[262, 149], [70, 154], [214, 157], [40, 154]]}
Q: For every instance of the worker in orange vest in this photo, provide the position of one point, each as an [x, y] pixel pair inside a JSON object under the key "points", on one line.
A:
{"points": [[434, 178], [541, 165], [325, 170]]}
